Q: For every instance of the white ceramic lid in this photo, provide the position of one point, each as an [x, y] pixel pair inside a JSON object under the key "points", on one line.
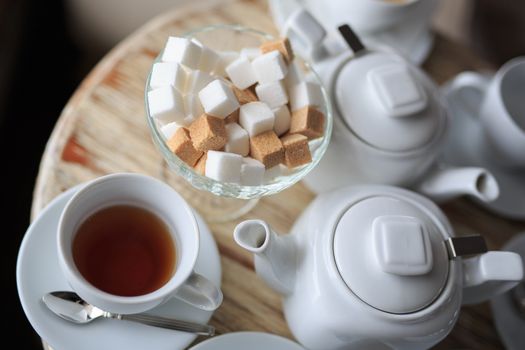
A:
{"points": [[391, 254], [388, 102]]}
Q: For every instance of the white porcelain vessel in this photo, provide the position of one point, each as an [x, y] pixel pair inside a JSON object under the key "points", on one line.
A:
{"points": [[488, 130], [500, 107], [155, 196], [389, 121], [404, 25], [366, 15], [375, 267]]}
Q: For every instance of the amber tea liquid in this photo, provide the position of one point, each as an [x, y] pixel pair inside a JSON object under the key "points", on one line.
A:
{"points": [[124, 250]]}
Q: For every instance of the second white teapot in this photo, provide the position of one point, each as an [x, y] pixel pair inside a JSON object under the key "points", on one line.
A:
{"points": [[389, 120]]}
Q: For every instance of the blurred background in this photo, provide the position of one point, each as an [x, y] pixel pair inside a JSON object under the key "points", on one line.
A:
{"points": [[48, 47]]}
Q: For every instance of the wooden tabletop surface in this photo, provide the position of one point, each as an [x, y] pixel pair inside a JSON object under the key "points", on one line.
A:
{"points": [[102, 130]]}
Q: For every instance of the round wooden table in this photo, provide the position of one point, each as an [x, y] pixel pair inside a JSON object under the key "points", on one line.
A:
{"points": [[103, 130]]}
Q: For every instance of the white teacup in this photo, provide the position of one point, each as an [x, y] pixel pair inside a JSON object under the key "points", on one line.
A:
{"points": [[163, 201], [500, 104], [365, 15]]}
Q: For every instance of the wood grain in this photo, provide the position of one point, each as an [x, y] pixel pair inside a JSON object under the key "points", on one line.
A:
{"points": [[103, 130]]}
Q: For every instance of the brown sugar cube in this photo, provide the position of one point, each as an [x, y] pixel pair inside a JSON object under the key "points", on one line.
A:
{"points": [[281, 45], [233, 117], [296, 150], [244, 96], [208, 133], [180, 144], [307, 121], [267, 149], [200, 167]]}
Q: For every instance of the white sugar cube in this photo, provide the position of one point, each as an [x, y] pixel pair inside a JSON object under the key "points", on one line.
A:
{"points": [[241, 73], [305, 94], [218, 99], [223, 166], [256, 118], [238, 140], [197, 80], [294, 76], [166, 104], [183, 51], [269, 67], [169, 129], [251, 53], [273, 94], [209, 59], [192, 106], [282, 120], [225, 58], [252, 172], [272, 173], [168, 73]]}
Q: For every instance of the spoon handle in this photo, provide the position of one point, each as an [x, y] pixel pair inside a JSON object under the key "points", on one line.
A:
{"points": [[168, 323]]}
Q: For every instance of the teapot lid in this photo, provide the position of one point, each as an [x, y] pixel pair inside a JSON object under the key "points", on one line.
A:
{"points": [[388, 102], [391, 254]]}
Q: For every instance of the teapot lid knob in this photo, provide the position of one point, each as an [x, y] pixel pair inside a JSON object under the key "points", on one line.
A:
{"points": [[402, 245], [399, 93]]}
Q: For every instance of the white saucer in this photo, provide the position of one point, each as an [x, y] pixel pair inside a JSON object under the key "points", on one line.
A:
{"points": [[509, 323], [248, 340], [38, 272], [462, 148]]}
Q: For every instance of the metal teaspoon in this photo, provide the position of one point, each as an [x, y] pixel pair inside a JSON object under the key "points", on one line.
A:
{"points": [[71, 307]]}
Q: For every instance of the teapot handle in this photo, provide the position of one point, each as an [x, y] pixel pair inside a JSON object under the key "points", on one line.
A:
{"points": [[490, 274], [466, 91]]}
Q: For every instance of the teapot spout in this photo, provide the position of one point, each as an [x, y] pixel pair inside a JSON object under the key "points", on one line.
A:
{"points": [[274, 254], [447, 183]]}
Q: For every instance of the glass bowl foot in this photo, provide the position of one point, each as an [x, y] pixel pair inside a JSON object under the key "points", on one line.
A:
{"points": [[213, 208]]}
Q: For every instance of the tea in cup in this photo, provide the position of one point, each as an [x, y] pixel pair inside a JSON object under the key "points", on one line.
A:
{"points": [[125, 250]]}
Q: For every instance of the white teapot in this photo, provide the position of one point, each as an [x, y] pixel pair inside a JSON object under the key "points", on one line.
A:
{"points": [[375, 267], [389, 120]]}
